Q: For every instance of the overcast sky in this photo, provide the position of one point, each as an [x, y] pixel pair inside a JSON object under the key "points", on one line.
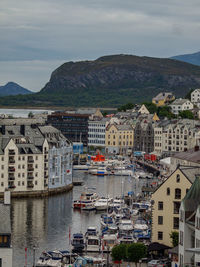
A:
{"points": [[36, 36]]}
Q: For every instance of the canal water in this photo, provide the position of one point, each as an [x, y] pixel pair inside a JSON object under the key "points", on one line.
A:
{"points": [[44, 223]]}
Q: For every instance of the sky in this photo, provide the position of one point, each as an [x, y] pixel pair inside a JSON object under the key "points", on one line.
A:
{"points": [[37, 36]]}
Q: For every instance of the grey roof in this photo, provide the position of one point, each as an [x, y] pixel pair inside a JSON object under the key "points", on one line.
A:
{"points": [[27, 121], [192, 199], [190, 172], [180, 101], [124, 127], [190, 155], [5, 225], [162, 95]]}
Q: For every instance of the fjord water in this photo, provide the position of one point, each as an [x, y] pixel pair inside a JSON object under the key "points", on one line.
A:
{"points": [[44, 222]]}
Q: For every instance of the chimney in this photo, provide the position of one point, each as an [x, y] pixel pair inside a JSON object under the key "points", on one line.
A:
{"points": [[196, 148], [22, 129], [7, 197], [3, 129]]}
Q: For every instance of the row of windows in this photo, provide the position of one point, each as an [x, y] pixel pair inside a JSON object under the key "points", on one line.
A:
{"points": [[97, 135], [120, 136], [97, 130], [20, 175], [96, 141], [120, 143], [96, 125], [20, 183]]}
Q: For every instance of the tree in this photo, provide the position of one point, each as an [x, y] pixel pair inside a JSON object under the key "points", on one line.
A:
{"points": [[188, 95], [126, 106], [119, 252], [30, 114], [165, 111], [136, 252], [186, 114], [174, 238]]}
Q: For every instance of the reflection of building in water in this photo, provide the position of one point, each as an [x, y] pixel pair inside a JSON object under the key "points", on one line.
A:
{"points": [[5, 233], [29, 221]]}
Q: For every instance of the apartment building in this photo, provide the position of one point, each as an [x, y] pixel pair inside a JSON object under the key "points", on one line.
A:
{"points": [[24, 157], [166, 203], [175, 136], [97, 131], [119, 139], [189, 227], [181, 105]]}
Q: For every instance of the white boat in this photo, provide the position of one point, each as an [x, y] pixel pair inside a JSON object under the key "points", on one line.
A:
{"points": [[85, 199], [88, 207], [122, 172], [108, 242], [117, 203], [127, 240], [81, 167], [126, 226], [93, 244], [140, 224], [101, 171], [91, 231], [102, 203], [55, 258]]}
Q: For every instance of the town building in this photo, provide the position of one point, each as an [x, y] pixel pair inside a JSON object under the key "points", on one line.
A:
{"points": [[6, 252], [26, 153], [143, 110], [163, 98], [73, 126], [166, 201], [189, 227], [174, 136], [181, 105], [96, 132], [144, 136], [195, 96], [119, 139]]}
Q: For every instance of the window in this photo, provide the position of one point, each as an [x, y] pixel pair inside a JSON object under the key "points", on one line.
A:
{"points": [[2, 175], [19, 183], [22, 183], [168, 191], [36, 157], [176, 222], [35, 182], [160, 205], [176, 207], [177, 193], [160, 219], [160, 235], [178, 178], [2, 184], [181, 238], [19, 158], [187, 190]]}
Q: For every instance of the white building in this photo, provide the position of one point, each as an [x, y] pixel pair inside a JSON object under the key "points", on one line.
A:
{"points": [[181, 105], [6, 252], [96, 132], [24, 157], [195, 96], [189, 227]]}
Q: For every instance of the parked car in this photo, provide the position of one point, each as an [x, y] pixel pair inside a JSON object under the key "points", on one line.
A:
{"points": [[153, 263], [164, 263]]}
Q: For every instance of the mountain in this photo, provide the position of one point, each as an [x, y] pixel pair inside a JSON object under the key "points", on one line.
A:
{"points": [[12, 88], [189, 58], [111, 81]]}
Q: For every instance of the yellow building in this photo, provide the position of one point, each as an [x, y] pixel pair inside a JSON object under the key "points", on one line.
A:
{"points": [[119, 139], [166, 203], [162, 99]]}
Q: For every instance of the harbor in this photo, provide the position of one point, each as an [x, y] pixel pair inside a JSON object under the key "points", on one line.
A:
{"points": [[44, 224]]}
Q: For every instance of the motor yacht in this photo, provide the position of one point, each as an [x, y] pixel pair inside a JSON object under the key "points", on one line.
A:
{"points": [[102, 204], [108, 242], [93, 243], [85, 199], [78, 243]]}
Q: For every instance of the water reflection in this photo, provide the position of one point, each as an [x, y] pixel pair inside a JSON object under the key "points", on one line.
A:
{"points": [[44, 223]]}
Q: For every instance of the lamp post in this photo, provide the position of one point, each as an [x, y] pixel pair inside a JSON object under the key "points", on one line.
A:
{"points": [[34, 249]]}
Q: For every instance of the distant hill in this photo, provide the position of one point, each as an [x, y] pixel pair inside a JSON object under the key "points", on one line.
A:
{"points": [[111, 81], [189, 58], [12, 88]]}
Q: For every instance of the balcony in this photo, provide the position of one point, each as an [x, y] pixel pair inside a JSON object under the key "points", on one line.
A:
{"points": [[11, 152], [46, 168], [11, 160], [46, 176], [30, 177], [30, 160], [30, 185], [45, 160], [11, 169], [11, 186]]}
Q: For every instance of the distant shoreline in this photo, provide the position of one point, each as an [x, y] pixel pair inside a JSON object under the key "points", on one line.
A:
{"points": [[53, 108]]}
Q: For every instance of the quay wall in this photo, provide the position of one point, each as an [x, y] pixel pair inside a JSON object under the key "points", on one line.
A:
{"points": [[40, 193]]}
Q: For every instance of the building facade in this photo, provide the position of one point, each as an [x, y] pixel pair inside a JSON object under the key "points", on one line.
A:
{"points": [[72, 125], [97, 131], [144, 136], [163, 98], [195, 96], [181, 105], [24, 157], [119, 139], [166, 203]]}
